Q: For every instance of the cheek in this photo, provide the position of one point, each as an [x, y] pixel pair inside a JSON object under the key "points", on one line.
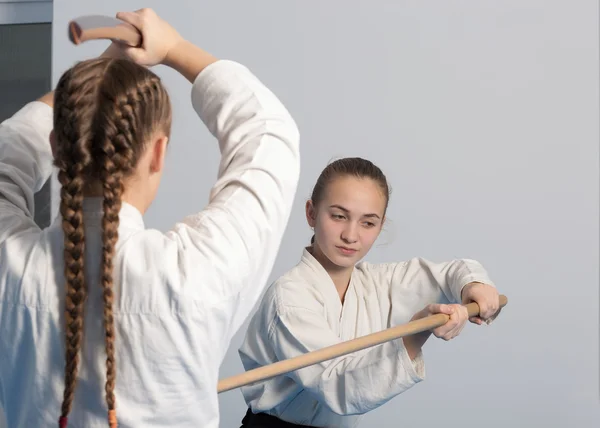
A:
{"points": [[326, 227], [369, 236]]}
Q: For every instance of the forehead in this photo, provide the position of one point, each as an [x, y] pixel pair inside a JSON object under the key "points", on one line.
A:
{"points": [[358, 195]]}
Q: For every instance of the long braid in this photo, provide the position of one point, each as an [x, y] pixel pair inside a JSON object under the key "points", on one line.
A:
{"points": [[113, 191], [114, 166], [72, 160], [71, 208], [106, 111], [117, 159]]}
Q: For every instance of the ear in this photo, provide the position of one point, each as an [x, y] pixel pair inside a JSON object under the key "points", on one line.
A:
{"points": [[53, 143], [159, 151], [311, 213]]}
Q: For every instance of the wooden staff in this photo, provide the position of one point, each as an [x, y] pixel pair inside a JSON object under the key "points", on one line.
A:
{"points": [[95, 27], [285, 366]]}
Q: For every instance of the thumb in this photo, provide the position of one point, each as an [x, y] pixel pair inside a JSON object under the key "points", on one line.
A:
{"points": [[444, 309], [134, 54], [131, 18]]}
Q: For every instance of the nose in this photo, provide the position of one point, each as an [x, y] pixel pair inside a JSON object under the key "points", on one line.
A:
{"points": [[350, 233]]}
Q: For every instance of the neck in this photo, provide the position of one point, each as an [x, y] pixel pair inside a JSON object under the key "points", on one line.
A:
{"points": [[338, 274], [136, 200], [130, 196]]}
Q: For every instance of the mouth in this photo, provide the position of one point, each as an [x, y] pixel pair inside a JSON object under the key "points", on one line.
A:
{"points": [[346, 250]]}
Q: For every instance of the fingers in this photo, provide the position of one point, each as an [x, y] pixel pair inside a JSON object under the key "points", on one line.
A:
{"points": [[476, 320], [489, 309], [486, 297], [493, 317], [133, 18], [433, 309], [438, 308], [455, 324]]}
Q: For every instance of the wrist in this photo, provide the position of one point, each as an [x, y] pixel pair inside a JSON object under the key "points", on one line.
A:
{"points": [[174, 53], [465, 288], [113, 51], [188, 59]]}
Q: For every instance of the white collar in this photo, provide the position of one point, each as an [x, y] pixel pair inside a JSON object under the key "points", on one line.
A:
{"points": [[93, 212]]}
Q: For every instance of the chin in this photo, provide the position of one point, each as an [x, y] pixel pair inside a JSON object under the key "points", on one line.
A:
{"points": [[341, 260]]}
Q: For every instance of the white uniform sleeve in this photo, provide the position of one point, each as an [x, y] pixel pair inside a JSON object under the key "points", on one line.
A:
{"points": [[25, 165], [423, 278], [411, 285], [351, 384], [239, 233]]}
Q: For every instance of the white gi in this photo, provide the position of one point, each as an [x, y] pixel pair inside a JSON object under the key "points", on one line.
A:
{"points": [[179, 296], [302, 312]]}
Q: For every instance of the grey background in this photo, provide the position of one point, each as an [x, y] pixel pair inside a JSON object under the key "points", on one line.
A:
{"points": [[484, 115]]}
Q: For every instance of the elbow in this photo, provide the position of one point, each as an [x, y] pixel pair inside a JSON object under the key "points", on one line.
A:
{"points": [[346, 408], [287, 158], [294, 147], [353, 403], [344, 399]]}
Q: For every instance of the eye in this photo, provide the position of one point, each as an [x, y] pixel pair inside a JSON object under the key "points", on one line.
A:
{"points": [[369, 224], [337, 216]]}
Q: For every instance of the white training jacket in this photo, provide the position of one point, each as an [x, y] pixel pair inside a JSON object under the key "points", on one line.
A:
{"points": [[179, 296], [302, 312]]}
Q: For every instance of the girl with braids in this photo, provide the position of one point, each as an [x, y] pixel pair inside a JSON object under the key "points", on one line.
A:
{"points": [[97, 313], [331, 296]]}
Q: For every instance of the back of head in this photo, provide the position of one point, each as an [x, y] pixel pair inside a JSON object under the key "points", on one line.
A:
{"points": [[106, 111]]}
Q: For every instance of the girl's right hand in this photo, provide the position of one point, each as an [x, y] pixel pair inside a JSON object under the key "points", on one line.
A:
{"points": [[158, 37]]}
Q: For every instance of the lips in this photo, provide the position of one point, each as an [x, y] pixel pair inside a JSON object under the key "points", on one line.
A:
{"points": [[346, 250]]}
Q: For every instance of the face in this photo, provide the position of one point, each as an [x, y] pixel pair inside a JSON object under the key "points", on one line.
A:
{"points": [[347, 221]]}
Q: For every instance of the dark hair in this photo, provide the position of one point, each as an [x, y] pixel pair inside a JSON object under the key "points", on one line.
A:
{"points": [[105, 110], [356, 167]]}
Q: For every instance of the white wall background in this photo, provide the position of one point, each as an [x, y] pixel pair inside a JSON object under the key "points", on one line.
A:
{"points": [[484, 115]]}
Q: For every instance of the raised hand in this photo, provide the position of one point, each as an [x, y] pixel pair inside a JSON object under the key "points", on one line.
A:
{"points": [[158, 37]]}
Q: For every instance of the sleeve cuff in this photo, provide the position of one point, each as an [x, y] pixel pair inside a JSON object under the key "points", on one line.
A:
{"points": [[471, 271], [210, 82], [414, 368]]}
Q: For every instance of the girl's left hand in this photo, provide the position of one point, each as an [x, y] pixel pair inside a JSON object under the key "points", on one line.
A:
{"points": [[488, 299], [458, 315]]}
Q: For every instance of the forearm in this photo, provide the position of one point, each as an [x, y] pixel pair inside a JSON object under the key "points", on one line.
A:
{"points": [[188, 59], [354, 379], [346, 384]]}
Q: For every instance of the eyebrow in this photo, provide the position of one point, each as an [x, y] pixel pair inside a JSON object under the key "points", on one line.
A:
{"points": [[339, 207]]}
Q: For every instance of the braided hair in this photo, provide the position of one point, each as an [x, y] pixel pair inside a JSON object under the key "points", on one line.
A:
{"points": [[105, 113]]}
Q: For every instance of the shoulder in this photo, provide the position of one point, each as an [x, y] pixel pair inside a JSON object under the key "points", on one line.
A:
{"points": [[297, 288], [293, 290], [170, 270], [377, 272]]}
